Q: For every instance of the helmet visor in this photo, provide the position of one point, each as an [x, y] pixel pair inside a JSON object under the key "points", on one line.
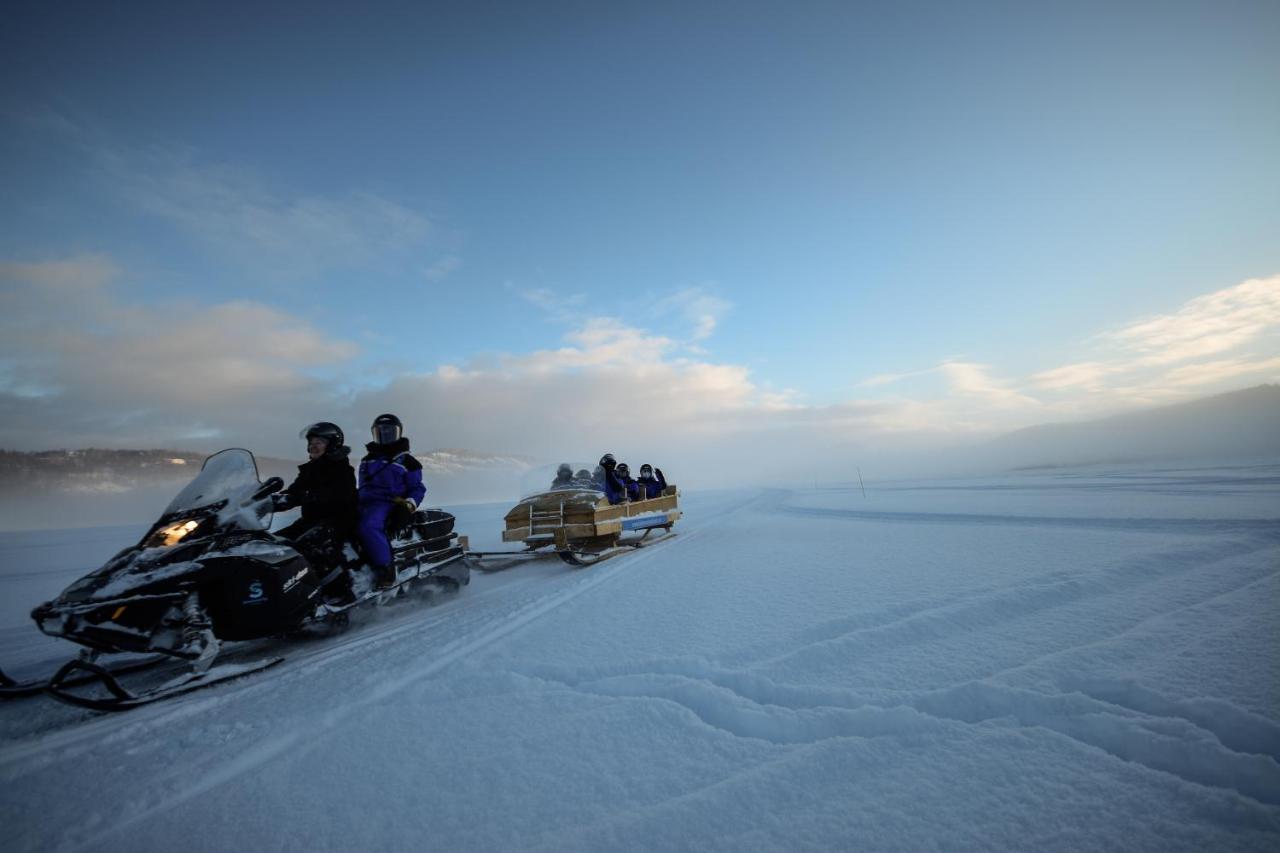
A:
{"points": [[386, 433]]}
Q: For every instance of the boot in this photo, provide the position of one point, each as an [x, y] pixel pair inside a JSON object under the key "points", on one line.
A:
{"points": [[384, 577]]}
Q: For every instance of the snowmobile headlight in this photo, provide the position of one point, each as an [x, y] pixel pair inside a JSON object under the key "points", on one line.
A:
{"points": [[174, 533]]}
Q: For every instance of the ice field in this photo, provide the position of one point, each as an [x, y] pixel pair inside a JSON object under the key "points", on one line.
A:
{"points": [[1080, 659]]}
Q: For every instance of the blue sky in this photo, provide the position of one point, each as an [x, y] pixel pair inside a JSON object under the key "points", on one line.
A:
{"points": [[847, 220]]}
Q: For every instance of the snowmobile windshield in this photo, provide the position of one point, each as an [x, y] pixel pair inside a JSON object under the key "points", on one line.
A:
{"points": [[226, 483], [548, 478]]}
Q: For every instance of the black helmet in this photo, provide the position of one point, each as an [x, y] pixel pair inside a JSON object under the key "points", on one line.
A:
{"points": [[564, 469], [583, 474], [386, 429], [331, 433], [646, 471], [623, 470], [607, 461]]}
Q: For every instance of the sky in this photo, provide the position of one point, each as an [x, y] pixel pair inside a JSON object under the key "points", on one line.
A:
{"points": [[706, 231]]}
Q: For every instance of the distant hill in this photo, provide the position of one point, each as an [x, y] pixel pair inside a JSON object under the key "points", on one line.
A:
{"points": [[1238, 424]]}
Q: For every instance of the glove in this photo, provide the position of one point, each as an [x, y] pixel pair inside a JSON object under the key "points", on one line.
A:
{"points": [[408, 503]]}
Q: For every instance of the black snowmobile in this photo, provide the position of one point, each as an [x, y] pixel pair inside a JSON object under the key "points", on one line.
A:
{"points": [[209, 571]]}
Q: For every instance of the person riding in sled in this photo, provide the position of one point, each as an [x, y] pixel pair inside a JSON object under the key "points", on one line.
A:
{"points": [[652, 482], [564, 477], [609, 482], [325, 488], [633, 488], [390, 490]]}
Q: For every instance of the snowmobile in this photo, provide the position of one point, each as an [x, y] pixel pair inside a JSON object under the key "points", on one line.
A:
{"points": [[574, 520], [208, 572]]}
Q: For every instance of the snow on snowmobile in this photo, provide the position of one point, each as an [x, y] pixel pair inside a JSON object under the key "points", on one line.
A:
{"points": [[572, 518], [209, 572]]}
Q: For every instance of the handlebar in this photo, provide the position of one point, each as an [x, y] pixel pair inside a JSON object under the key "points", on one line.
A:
{"points": [[270, 487]]}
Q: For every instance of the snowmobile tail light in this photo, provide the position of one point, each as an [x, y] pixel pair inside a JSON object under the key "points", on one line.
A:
{"points": [[174, 533]]}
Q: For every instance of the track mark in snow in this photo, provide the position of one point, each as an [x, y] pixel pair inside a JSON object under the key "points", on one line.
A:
{"points": [[750, 706], [1236, 728], [1264, 527], [1006, 604], [1170, 745]]}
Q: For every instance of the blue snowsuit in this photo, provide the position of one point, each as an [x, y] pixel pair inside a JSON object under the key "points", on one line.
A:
{"points": [[632, 487], [654, 486], [386, 473], [611, 484]]}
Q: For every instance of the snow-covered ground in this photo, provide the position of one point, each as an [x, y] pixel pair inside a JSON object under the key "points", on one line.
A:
{"points": [[1054, 660]]}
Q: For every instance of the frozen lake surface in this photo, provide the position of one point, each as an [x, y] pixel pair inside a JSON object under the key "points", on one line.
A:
{"points": [[1056, 660]]}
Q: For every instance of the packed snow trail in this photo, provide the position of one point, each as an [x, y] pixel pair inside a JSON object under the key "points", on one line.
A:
{"points": [[808, 670]]}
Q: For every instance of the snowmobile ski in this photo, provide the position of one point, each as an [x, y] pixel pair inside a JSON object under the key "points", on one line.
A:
{"points": [[11, 689], [122, 699]]}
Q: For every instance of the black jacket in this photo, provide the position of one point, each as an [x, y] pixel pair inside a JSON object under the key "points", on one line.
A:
{"points": [[326, 491]]}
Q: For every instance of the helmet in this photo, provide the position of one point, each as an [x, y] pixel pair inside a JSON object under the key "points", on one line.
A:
{"points": [[330, 432], [386, 429], [564, 469], [623, 470], [583, 474], [607, 461], [646, 471]]}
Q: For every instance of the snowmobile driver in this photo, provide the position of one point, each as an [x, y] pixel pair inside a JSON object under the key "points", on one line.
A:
{"points": [[390, 490], [325, 488]]}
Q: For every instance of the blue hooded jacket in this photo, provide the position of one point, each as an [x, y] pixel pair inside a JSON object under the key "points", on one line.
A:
{"points": [[611, 484], [653, 487], [389, 472]]}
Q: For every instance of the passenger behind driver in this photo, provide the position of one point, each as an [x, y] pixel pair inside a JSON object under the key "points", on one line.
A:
{"points": [[390, 490]]}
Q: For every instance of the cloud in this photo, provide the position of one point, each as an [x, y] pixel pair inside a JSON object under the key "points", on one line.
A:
{"points": [[245, 220], [235, 213], [883, 379], [80, 365], [442, 268], [1206, 325], [972, 380], [698, 308], [1088, 376], [125, 374], [563, 309], [1219, 371]]}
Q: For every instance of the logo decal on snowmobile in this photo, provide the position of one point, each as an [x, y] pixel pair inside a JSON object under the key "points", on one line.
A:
{"points": [[293, 581], [257, 595]]}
